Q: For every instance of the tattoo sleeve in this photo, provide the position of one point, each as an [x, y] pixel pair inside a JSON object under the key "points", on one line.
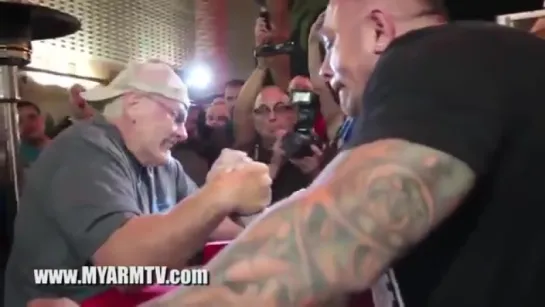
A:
{"points": [[368, 206]]}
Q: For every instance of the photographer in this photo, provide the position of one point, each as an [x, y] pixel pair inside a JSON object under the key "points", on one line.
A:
{"points": [[208, 133], [190, 152], [307, 105], [272, 116]]}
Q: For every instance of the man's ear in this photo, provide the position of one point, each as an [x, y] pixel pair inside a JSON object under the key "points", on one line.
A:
{"points": [[384, 30], [130, 106]]}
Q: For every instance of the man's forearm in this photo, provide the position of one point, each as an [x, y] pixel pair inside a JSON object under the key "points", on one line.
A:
{"points": [[170, 239], [279, 65], [226, 230], [280, 69], [242, 114], [369, 205]]}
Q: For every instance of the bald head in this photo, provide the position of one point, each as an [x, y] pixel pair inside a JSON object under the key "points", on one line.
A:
{"points": [[218, 101], [399, 7], [359, 31], [271, 95], [273, 112], [403, 15]]}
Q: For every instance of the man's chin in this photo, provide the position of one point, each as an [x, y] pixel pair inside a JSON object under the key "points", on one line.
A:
{"points": [[276, 131], [351, 106], [160, 159], [166, 155]]}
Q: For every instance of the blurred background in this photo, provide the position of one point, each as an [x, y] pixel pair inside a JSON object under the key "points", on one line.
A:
{"points": [[208, 41], [211, 44]]}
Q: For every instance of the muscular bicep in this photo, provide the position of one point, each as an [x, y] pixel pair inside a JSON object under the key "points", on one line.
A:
{"points": [[398, 186]]}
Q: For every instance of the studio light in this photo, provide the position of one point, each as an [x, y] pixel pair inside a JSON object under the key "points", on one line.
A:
{"points": [[199, 77]]}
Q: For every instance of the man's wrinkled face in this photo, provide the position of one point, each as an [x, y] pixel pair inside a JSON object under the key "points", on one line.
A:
{"points": [[231, 94], [158, 123], [273, 112], [350, 40], [217, 115], [31, 123]]}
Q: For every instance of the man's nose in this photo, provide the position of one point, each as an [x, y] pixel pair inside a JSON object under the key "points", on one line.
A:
{"points": [[181, 132], [272, 116], [325, 70]]}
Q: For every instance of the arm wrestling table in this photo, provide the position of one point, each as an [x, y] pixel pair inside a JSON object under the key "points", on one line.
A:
{"points": [[115, 297]]}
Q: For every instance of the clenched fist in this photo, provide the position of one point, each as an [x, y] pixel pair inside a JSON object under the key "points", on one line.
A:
{"points": [[227, 160], [243, 184]]}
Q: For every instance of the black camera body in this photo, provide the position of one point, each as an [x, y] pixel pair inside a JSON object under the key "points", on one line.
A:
{"points": [[297, 144], [268, 50]]}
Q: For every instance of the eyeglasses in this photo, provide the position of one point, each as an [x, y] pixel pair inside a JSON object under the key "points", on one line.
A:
{"points": [[279, 108], [220, 118], [178, 114], [230, 98]]}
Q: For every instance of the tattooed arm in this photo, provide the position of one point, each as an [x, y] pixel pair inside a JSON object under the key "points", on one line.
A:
{"points": [[370, 205]]}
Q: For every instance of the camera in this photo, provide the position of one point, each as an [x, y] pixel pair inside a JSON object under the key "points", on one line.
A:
{"points": [[268, 50], [297, 144]]}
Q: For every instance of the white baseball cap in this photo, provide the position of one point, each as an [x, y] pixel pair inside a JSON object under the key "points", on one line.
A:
{"points": [[150, 77]]}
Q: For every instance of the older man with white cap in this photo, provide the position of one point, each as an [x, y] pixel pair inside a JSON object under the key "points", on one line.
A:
{"points": [[107, 192]]}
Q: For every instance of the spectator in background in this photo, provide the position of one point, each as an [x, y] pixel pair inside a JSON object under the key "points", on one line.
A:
{"points": [[218, 129], [272, 116], [261, 117], [32, 132], [214, 129], [217, 115], [329, 108], [79, 110], [191, 124], [209, 132], [231, 91], [190, 151]]}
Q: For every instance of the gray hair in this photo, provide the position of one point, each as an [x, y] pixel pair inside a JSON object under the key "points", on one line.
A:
{"points": [[112, 108]]}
